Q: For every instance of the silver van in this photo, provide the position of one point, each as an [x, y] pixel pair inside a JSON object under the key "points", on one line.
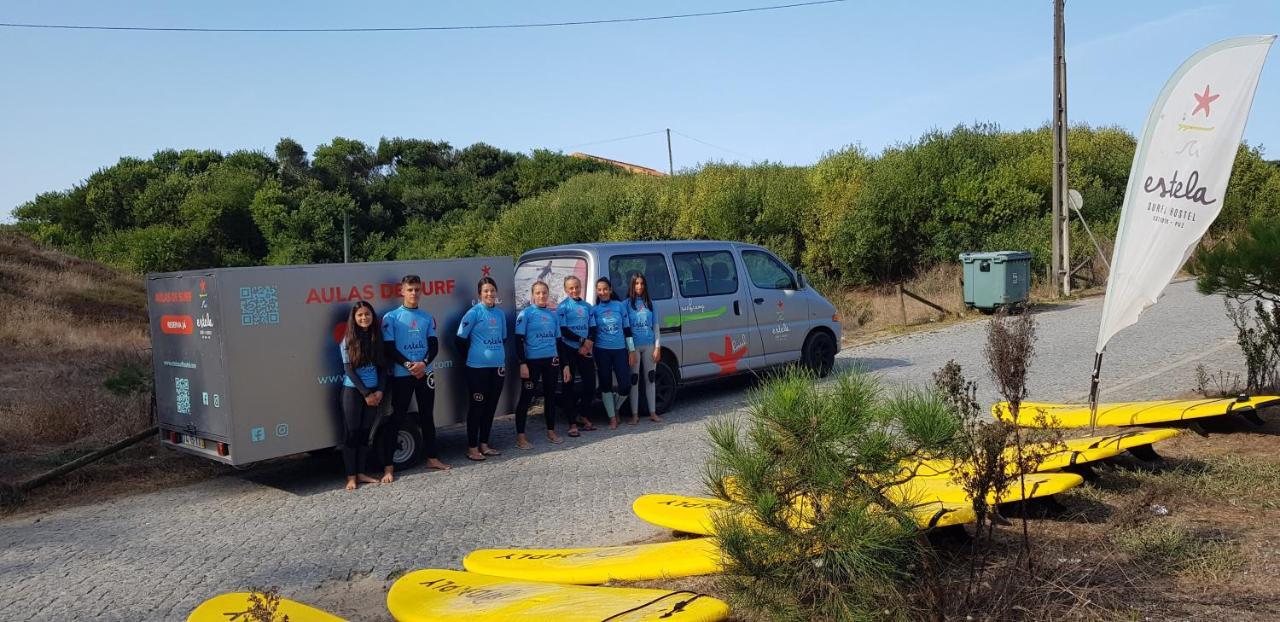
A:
{"points": [[725, 307]]}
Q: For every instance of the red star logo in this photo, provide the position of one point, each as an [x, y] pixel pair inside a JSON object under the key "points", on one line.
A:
{"points": [[779, 305], [485, 271], [1203, 101], [202, 285], [728, 361]]}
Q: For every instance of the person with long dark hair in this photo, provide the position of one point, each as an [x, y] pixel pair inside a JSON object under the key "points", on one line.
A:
{"points": [[481, 342], [614, 350], [411, 346], [537, 333], [363, 387], [575, 346], [647, 336]]}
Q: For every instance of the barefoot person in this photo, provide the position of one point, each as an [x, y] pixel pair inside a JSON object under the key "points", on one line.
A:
{"points": [[648, 343], [363, 384], [537, 331], [576, 321], [614, 350], [411, 344], [480, 340]]}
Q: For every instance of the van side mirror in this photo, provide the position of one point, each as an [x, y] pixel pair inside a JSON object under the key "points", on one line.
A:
{"points": [[801, 283]]}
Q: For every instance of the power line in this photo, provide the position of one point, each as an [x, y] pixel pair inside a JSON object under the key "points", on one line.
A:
{"points": [[725, 149], [620, 20], [611, 140]]}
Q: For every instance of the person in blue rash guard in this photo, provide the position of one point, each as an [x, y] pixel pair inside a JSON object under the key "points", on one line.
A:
{"points": [[576, 321], [614, 350], [537, 335], [648, 343], [480, 339], [364, 366], [411, 345]]}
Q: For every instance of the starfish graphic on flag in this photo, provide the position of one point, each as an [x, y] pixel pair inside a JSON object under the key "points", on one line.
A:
{"points": [[728, 361], [485, 271], [1203, 101]]}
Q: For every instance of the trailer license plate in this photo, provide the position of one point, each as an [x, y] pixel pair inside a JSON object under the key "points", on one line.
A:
{"points": [[192, 441]]}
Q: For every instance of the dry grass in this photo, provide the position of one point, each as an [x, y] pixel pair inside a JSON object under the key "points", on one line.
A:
{"points": [[873, 309], [70, 325]]}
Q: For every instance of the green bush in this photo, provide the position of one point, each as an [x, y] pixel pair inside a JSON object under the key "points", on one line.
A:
{"points": [[852, 217], [813, 534]]}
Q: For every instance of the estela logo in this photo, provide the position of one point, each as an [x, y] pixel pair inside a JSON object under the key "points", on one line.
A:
{"points": [[205, 322], [1203, 100], [176, 324], [1174, 188], [171, 297]]}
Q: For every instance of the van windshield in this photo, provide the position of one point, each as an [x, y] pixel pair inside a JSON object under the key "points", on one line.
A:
{"points": [[551, 271]]}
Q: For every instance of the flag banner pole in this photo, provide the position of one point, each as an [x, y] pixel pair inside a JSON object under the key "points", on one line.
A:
{"points": [[1093, 394], [1179, 176]]}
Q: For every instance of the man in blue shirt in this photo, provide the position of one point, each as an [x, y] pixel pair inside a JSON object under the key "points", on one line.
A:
{"points": [[410, 335]]}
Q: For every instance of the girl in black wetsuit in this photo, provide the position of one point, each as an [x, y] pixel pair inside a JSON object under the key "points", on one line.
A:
{"points": [[363, 384]]}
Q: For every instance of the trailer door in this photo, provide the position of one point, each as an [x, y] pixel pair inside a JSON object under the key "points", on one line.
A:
{"points": [[186, 341]]}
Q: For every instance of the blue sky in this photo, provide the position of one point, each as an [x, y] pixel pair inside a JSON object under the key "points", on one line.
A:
{"points": [[785, 86]]}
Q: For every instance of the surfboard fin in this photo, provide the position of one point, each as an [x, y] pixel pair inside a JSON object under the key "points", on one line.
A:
{"points": [[1083, 470], [1145, 453], [1251, 416]]}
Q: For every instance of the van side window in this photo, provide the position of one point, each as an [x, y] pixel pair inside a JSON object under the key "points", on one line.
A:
{"points": [[710, 273], [653, 267], [767, 272]]}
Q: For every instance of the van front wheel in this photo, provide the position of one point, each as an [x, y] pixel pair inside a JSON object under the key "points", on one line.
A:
{"points": [[819, 353], [664, 387]]}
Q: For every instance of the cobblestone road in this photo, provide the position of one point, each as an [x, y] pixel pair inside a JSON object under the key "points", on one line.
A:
{"points": [[155, 556]]}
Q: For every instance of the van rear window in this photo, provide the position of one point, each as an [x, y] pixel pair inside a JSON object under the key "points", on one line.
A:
{"points": [[710, 273], [551, 271], [654, 268]]}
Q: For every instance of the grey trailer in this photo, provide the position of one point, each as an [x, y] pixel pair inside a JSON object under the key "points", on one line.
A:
{"points": [[246, 360]]}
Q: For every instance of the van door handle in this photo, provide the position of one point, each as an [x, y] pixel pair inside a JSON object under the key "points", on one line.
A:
{"points": [[759, 301], [736, 309]]}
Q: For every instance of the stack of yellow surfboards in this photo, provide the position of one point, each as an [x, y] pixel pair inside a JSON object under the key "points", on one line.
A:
{"points": [[935, 499]]}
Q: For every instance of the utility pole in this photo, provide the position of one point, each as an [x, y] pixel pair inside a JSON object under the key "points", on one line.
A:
{"points": [[346, 238], [671, 163], [1061, 264]]}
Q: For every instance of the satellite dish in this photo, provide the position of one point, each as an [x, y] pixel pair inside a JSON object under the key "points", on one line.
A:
{"points": [[1074, 200]]}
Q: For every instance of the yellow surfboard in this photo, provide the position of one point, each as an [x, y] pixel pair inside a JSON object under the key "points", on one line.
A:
{"points": [[943, 490], [234, 607], [453, 596], [1069, 452], [640, 562], [694, 514], [1129, 413]]}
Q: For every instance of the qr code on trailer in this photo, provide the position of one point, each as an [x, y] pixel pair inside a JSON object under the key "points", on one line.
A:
{"points": [[183, 387], [259, 305]]}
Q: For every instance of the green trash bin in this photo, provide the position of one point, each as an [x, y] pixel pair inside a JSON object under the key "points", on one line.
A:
{"points": [[996, 279]]}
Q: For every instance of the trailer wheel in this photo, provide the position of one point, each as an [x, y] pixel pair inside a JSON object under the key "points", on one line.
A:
{"points": [[408, 445]]}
